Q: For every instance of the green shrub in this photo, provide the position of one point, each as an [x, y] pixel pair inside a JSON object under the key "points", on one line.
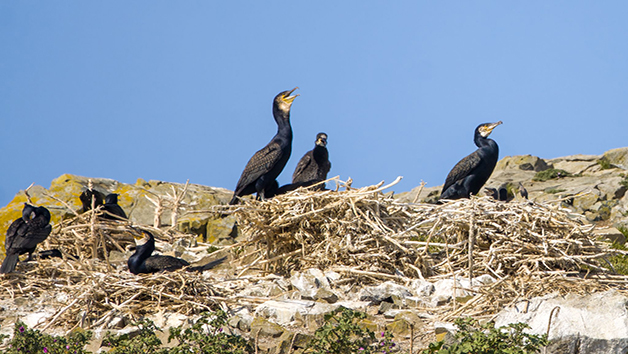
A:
{"points": [[551, 173], [207, 336], [486, 339], [27, 340], [341, 333], [145, 341], [604, 163]]}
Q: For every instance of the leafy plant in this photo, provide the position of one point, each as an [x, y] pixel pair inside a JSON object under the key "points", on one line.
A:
{"points": [[551, 173], [619, 262], [207, 336], [145, 341], [486, 339], [27, 340], [342, 334]]}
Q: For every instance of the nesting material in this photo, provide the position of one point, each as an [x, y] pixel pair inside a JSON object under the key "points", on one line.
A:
{"points": [[364, 231], [367, 236], [530, 249]]}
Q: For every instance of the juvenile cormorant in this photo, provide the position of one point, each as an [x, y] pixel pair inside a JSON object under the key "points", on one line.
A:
{"points": [[24, 234], [86, 199], [314, 165], [470, 174], [523, 191], [491, 192], [267, 163], [111, 207], [142, 261]]}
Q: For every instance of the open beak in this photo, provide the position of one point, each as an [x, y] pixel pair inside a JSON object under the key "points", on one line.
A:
{"points": [[288, 98]]}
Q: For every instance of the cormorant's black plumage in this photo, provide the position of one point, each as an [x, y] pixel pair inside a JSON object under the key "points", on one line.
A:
{"points": [[111, 207], [86, 199], [523, 191], [470, 174], [25, 234], [314, 165], [142, 261], [267, 163]]}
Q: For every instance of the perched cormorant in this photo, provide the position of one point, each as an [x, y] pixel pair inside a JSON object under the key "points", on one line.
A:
{"points": [[111, 207], [86, 199], [314, 165], [470, 174], [24, 234], [503, 194], [267, 163], [522, 191], [142, 261]]}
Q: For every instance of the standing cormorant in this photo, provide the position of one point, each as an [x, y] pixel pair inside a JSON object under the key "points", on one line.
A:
{"points": [[314, 165], [523, 191], [24, 234], [267, 163], [86, 199], [112, 208], [470, 174], [142, 261]]}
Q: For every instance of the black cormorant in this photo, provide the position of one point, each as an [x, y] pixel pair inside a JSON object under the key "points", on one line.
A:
{"points": [[24, 234], [314, 165], [112, 208], [142, 261], [470, 174], [86, 199], [266, 164]]}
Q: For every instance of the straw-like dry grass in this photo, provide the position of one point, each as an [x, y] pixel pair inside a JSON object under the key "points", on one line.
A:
{"points": [[530, 249]]}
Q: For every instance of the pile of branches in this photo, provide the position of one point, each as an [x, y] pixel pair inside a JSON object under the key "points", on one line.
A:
{"points": [[92, 290], [368, 233]]}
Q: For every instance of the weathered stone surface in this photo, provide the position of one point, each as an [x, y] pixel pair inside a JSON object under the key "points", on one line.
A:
{"points": [[611, 234], [134, 200], [576, 164], [377, 294], [522, 162], [313, 284], [618, 157], [265, 328], [599, 321]]}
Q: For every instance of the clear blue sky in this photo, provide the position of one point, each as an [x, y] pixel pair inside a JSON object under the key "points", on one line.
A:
{"points": [[183, 90]]}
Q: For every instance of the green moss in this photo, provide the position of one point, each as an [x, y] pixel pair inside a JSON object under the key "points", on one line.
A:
{"points": [[554, 190], [624, 182], [604, 163], [619, 262], [552, 173]]}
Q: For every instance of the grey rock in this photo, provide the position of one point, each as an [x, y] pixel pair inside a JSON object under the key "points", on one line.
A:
{"points": [[618, 157], [596, 323], [379, 293], [522, 162]]}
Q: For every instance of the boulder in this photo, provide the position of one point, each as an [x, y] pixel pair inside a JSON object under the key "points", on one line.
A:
{"points": [[313, 284], [382, 292], [522, 162], [577, 164], [585, 324], [618, 157]]}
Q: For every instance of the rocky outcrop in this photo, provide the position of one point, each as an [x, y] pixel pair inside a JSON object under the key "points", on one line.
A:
{"points": [[139, 202], [594, 185]]}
